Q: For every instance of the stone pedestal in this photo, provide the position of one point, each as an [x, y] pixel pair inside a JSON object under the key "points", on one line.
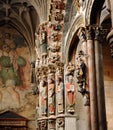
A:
{"points": [[70, 122]]}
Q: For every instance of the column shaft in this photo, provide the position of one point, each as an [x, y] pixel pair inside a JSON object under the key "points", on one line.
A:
{"points": [[92, 85], [100, 85]]}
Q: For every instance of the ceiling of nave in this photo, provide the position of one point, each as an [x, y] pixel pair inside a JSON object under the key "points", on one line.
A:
{"points": [[24, 16]]}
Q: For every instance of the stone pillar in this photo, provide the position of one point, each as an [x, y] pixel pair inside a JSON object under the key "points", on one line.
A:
{"points": [[92, 79], [100, 81]]}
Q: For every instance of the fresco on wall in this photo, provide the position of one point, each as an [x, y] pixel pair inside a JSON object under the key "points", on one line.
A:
{"points": [[15, 91]]}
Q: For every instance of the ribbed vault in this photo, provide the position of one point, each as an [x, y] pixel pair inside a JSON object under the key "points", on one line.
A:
{"points": [[24, 16]]}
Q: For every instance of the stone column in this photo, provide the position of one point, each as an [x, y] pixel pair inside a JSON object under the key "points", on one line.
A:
{"points": [[92, 79], [100, 81]]}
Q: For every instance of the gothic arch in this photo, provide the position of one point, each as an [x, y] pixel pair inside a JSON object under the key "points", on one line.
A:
{"points": [[71, 39], [93, 11]]}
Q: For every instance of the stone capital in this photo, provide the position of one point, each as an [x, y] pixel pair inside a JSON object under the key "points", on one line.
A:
{"points": [[97, 32], [89, 33]]}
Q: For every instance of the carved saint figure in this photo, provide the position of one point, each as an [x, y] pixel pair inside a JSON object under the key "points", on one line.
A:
{"points": [[70, 95], [51, 96], [43, 96], [70, 68], [80, 73], [60, 94], [54, 57], [43, 44]]}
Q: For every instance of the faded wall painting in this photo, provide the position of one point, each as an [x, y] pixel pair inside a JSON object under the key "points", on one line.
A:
{"points": [[15, 91]]}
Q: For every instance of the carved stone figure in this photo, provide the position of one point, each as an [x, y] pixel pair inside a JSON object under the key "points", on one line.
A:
{"points": [[70, 95], [59, 16], [54, 57], [59, 4], [37, 43], [57, 27], [43, 96], [51, 96], [80, 73], [56, 37], [54, 47], [43, 44], [60, 93], [70, 69]]}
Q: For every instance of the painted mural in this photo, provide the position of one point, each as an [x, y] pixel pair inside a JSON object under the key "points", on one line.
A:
{"points": [[15, 90]]}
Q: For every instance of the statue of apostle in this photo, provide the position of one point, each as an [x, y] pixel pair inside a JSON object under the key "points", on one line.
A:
{"points": [[70, 95], [51, 96], [43, 44], [43, 96], [60, 94]]}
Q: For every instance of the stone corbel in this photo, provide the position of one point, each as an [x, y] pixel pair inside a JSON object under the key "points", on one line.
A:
{"points": [[60, 122], [44, 125], [52, 123]]}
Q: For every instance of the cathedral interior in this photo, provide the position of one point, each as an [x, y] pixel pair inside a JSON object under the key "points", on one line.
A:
{"points": [[56, 60]]}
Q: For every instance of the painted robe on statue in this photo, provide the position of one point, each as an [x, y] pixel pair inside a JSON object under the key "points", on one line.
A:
{"points": [[60, 97], [70, 97], [51, 98]]}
